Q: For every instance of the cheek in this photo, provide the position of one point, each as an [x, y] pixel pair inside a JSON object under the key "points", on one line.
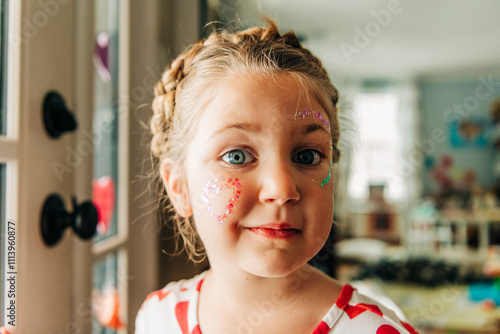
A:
{"points": [[320, 200], [323, 218], [220, 197]]}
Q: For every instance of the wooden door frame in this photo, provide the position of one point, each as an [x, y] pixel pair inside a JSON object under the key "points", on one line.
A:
{"points": [[45, 275], [54, 283]]}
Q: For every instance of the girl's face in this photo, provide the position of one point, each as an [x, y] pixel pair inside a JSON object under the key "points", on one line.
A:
{"points": [[258, 174]]}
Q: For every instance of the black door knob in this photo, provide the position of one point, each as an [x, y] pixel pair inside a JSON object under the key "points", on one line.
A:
{"points": [[55, 219], [56, 116]]}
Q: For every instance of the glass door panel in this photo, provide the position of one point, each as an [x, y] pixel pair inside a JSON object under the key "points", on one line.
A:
{"points": [[106, 296], [106, 79], [108, 292]]}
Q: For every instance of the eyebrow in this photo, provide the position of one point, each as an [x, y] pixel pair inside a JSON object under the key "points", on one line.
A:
{"points": [[314, 127], [255, 128], [247, 127]]}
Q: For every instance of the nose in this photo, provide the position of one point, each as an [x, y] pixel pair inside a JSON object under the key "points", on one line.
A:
{"points": [[278, 184]]}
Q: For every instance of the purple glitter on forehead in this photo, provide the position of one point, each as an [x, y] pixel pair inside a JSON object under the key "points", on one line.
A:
{"points": [[306, 113]]}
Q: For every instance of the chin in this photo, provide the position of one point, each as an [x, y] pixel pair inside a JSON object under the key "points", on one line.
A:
{"points": [[274, 268]]}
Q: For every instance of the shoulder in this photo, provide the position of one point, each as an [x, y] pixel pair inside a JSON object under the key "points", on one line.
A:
{"points": [[169, 305], [354, 310], [178, 290]]}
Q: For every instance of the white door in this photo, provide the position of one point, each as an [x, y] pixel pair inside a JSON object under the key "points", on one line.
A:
{"points": [[83, 50]]}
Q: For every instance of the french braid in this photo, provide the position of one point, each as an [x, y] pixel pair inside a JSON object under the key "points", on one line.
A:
{"points": [[187, 81]]}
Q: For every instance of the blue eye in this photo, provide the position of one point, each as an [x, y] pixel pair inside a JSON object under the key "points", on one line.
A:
{"points": [[307, 157], [238, 157]]}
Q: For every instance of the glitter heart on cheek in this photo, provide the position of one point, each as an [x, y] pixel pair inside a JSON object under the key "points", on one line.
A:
{"points": [[217, 187]]}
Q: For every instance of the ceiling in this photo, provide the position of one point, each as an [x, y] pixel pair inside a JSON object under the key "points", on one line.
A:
{"points": [[413, 39]]}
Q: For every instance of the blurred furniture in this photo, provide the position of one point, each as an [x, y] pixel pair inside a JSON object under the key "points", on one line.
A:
{"points": [[443, 309], [375, 218], [455, 229], [469, 228], [431, 293]]}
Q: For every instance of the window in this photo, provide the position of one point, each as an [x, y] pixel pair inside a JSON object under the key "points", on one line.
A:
{"points": [[106, 118], [108, 188], [379, 151]]}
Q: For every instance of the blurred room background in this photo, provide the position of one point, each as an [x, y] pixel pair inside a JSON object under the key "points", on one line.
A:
{"points": [[417, 211]]}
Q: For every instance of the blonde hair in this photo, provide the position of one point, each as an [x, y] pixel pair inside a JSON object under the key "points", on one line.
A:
{"points": [[192, 78]]}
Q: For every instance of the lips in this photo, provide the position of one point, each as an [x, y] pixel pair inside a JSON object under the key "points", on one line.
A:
{"points": [[275, 230]]}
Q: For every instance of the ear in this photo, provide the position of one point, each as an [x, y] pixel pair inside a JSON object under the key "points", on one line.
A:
{"points": [[176, 188]]}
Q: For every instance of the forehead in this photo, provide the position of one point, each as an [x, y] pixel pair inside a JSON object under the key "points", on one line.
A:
{"points": [[261, 98]]}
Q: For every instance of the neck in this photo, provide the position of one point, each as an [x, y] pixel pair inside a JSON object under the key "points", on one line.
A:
{"points": [[239, 291]]}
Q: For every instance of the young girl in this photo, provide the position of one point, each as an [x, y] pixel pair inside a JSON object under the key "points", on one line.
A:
{"points": [[246, 132]]}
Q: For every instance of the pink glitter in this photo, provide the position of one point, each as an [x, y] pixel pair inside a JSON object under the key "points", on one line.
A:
{"points": [[306, 113], [216, 187]]}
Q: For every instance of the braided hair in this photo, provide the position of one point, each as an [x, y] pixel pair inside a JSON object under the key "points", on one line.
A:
{"points": [[191, 80]]}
